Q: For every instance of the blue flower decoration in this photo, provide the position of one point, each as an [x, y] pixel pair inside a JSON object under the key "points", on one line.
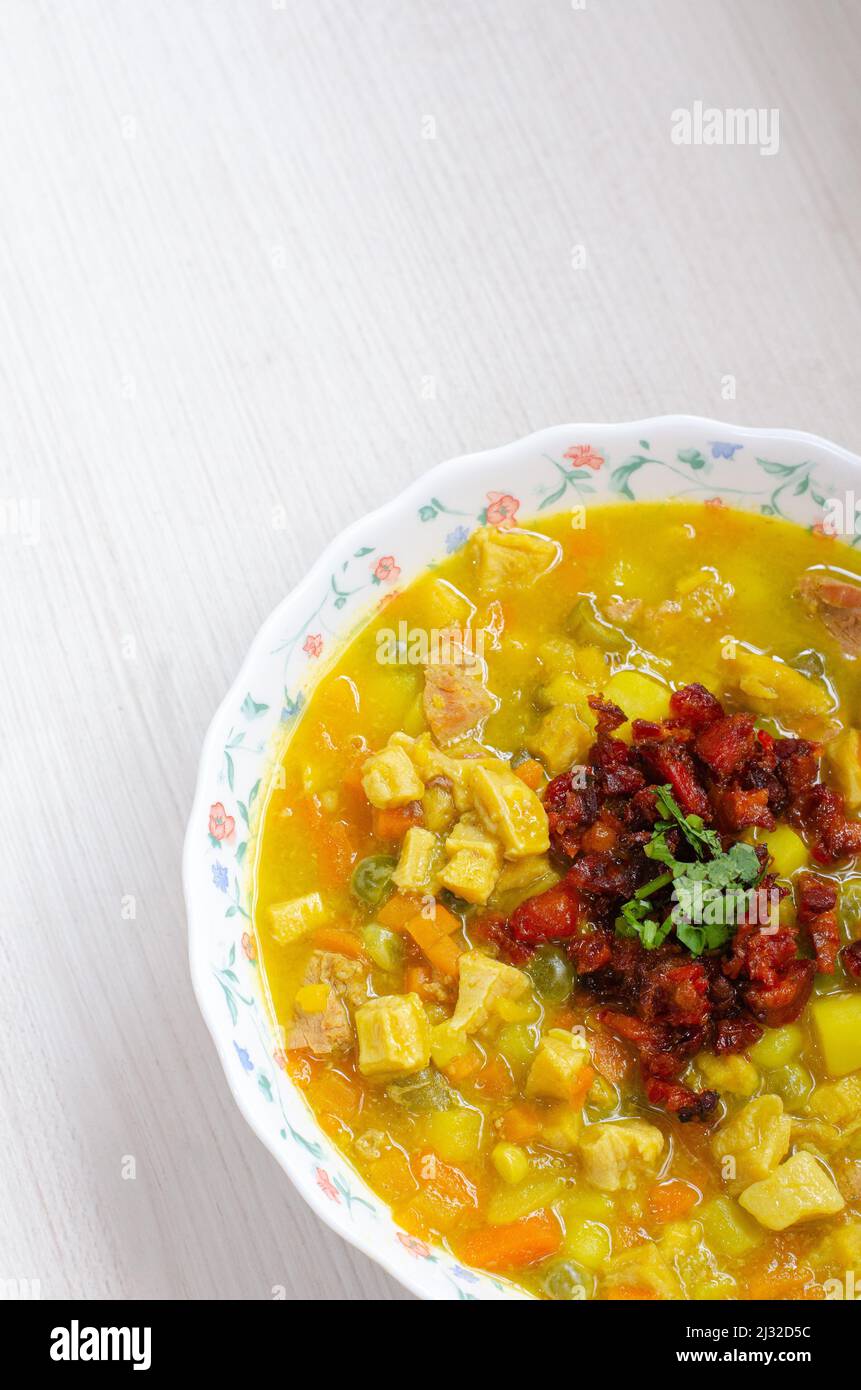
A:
{"points": [[244, 1058], [455, 539], [219, 877], [721, 450], [466, 1275]]}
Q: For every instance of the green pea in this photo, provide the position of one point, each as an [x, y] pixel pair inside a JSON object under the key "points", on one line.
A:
{"points": [[564, 1281], [372, 878], [423, 1091], [584, 625], [385, 947], [552, 974]]}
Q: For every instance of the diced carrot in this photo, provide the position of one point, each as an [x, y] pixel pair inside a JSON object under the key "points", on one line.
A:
{"points": [[564, 1018], [495, 1079], [398, 910], [393, 825], [630, 1293], [446, 1181], [330, 842], [670, 1201], [517, 1246], [580, 1089], [531, 772], [521, 1124], [335, 1094], [462, 1067], [392, 1175], [441, 951], [339, 940]]}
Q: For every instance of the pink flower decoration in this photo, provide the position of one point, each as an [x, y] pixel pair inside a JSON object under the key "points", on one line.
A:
{"points": [[583, 456], [715, 502], [313, 644], [415, 1247], [279, 1057], [221, 826], [501, 509], [824, 528], [249, 946], [386, 569], [325, 1184]]}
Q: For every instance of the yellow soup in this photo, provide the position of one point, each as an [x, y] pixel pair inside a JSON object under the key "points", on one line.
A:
{"points": [[556, 902]]}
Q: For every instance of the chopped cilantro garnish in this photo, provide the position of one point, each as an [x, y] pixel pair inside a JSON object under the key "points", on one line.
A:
{"points": [[712, 889]]}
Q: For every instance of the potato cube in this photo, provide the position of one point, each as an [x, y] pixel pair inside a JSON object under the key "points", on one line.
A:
{"points": [[615, 1155], [561, 739], [837, 1102], [560, 1058], [471, 874], [524, 873], [417, 861], [390, 779], [755, 1140], [639, 695], [788, 851], [294, 918], [562, 1128], [514, 557], [770, 686], [510, 810], [734, 1074], [438, 808], [799, 1190], [394, 1035], [483, 980], [566, 689], [843, 758], [837, 1024], [430, 762]]}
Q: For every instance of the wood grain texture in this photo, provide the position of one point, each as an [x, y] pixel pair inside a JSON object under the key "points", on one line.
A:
{"points": [[235, 274]]}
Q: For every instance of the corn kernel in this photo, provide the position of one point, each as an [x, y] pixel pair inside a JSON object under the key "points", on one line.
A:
{"points": [[511, 1162], [312, 999], [516, 1010], [589, 1244]]}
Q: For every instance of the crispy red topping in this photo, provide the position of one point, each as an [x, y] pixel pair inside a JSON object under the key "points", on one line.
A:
{"points": [[666, 1002]]}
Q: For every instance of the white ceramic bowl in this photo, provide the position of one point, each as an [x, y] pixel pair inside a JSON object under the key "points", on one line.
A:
{"points": [[776, 472]]}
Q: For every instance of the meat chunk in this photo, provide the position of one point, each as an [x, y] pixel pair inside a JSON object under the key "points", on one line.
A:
{"points": [[389, 778], [725, 744], [293, 919], [616, 1155], [510, 810], [483, 980], [836, 601], [755, 1141], [328, 1030], [455, 701], [557, 1064], [799, 1190], [552, 915], [394, 1035], [511, 558]]}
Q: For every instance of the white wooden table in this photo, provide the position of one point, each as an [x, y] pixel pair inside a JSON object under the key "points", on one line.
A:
{"points": [[257, 253]]}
